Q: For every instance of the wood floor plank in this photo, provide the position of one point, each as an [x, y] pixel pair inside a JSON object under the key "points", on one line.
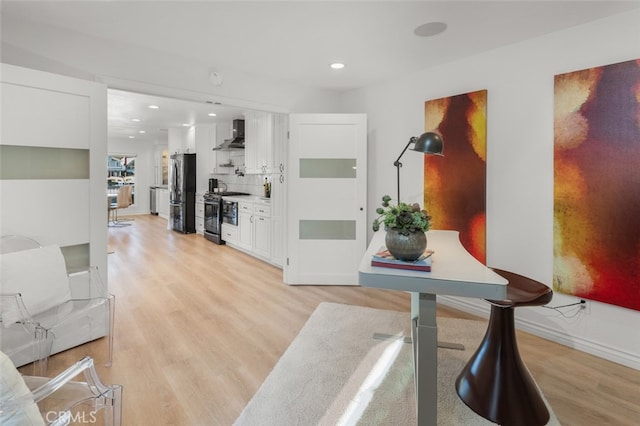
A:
{"points": [[200, 326]]}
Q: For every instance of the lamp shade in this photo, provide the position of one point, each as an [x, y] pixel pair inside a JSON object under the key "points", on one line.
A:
{"points": [[429, 143]]}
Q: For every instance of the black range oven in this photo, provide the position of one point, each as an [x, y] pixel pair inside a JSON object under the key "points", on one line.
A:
{"points": [[213, 217], [216, 211]]}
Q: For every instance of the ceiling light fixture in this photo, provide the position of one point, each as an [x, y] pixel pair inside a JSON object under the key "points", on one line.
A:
{"points": [[154, 106], [212, 114], [430, 29], [142, 131], [337, 65], [132, 137], [137, 120]]}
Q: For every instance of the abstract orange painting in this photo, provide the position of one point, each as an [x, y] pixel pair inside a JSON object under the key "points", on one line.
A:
{"points": [[455, 185], [596, 240]]}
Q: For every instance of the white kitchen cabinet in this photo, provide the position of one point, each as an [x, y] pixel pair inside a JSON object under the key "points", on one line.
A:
{"points": [[261, 222], [230, 233], [245, 207], [278, 230], [181, 140], [251, 141], [199, 215], [279, 143], [162, 202], [277, 241], [278, 190], [254, 228], [259, 143], [245, 231]]}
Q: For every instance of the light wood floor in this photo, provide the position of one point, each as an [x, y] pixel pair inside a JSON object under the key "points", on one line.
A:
{"points": [[200, 326]]}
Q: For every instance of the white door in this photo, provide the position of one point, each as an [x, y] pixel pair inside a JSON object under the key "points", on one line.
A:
{"points": [[327, 198]]}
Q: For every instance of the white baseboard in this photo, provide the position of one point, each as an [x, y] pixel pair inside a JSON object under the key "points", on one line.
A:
{"points": [[585, 345]]}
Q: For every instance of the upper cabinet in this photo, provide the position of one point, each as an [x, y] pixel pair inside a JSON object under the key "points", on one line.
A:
{"points": [[182, 140], [259, 143]]}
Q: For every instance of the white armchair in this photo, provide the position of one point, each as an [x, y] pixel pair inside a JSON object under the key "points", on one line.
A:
{"points": [[44, 309], [27, 400]]}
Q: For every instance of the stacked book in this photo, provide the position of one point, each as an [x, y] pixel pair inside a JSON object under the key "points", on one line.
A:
{"points": [[384, 259]]}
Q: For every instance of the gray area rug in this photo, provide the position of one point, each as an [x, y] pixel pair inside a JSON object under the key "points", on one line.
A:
{"points": [[335, 373]]}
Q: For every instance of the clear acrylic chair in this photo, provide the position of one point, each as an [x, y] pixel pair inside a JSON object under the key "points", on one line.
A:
{"points": [[26, 335], [31, 400]]}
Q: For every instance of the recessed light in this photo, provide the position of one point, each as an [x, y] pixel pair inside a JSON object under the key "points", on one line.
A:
{"points": [[137, 120], [132, 137], [154, 106], [430, 29], [337, 65], [186, 125], [142, 131], [212, 114]]}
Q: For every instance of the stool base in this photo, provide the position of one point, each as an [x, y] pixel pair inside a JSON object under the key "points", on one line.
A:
{"points": [[495, 383]]}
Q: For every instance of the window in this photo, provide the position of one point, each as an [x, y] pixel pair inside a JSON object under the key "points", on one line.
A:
{"points": [[121, 170]]}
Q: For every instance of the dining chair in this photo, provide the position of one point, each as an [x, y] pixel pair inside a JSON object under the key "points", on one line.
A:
{"points": [[124, 199]]}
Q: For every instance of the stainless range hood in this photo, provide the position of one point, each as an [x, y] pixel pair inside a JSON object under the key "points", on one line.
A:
{"points": [[237, 141]]}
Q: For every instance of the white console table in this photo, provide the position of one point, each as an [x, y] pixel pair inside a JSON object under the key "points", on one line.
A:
{"points": [[454, 272]]}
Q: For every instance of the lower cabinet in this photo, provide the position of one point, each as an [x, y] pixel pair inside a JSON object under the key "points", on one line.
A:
{"points": [[230, 233], [245, 230], [199, 216], [277, 241], [253, 233], [162, 202], [262, 236]]}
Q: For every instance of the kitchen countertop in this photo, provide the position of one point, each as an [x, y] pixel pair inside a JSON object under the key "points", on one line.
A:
{"points": [[247, 198]]}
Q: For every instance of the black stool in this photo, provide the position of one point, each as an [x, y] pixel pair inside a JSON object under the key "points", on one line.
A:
{"points": [[495, 383]]}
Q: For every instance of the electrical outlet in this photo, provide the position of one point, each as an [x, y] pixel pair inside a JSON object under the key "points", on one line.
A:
{"points": [[585, 306]]}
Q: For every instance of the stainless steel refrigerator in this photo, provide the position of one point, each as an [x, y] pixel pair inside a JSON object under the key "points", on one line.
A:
{"points": [[182, 193]]}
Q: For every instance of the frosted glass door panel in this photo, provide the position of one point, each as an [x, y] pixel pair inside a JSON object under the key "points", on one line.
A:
{"points": [[28, 162], [327, 229], [337, 168]]}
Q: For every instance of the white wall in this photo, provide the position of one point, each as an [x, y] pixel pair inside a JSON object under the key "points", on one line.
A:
{"points": [[145, 170], [519, 79]]}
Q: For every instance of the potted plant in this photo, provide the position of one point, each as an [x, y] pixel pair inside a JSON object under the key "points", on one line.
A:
{"points": [[405, 225]]}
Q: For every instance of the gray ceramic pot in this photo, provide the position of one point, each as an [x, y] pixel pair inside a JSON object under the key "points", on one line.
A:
{"points": [[405, 247]]}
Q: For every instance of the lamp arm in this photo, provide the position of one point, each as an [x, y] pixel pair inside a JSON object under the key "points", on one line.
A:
{"points": [[398, 164]]}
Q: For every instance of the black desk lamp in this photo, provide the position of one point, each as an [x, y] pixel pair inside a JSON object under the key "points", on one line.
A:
{"points": [[428, 143]]}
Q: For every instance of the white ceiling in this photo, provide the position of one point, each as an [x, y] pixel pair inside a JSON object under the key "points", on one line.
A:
{"points": [[125, 106], [294, 42]]}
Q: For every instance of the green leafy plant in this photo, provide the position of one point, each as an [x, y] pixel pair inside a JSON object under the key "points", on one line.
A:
{"points": [[405, 218]]}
